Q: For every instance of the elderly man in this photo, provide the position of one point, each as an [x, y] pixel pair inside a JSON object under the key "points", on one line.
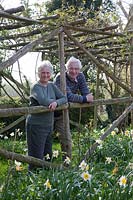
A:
{"points": [[75, 84]]}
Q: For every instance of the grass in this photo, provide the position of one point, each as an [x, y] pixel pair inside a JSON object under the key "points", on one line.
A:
{"points": [[106, 175]]}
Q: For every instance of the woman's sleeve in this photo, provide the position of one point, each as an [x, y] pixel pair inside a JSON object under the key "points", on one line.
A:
{"points": [[38, 95], [60, 97]]}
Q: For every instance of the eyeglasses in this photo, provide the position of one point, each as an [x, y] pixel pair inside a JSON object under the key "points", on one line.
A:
{"points": [[73, 69]]}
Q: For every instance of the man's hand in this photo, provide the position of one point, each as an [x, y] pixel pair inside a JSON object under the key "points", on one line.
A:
{"points": [[52, 106], [89, 97]]}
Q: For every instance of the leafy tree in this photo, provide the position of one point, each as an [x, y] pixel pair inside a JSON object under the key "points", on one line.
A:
{"points": [[87, 4]]}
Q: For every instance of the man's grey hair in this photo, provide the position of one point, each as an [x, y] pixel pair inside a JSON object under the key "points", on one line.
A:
{"points": [[72, 59], [45, 64]]}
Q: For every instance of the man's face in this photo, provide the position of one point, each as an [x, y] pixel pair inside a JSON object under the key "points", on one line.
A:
{"points": [[73, 70], [44, 75]]}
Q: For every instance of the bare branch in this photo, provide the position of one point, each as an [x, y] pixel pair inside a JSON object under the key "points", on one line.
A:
{"points": [[29, 159], [122, 8], [26, 49], [15, 10]]}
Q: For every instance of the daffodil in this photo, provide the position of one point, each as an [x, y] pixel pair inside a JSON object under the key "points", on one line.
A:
{"points": [[131, 131], [18, 166], [123, 181], [17, 130], [17, 163], [47, 157], [12, 134], [116, 130], [83, 166], [47, 184], [86, 176], [57, 134], [100, 146], [1, 188], [99, 141], [87, 168], [108, 160], [55, 154], [130, 165], [25, 149], [67, 160], [115, 170], [127, 133], [20, 133], [113, 133]]}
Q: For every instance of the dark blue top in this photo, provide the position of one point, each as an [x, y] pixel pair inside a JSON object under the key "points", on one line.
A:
{"points": [[76, 89]]}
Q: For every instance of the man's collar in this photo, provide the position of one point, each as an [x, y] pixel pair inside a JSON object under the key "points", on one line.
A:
{"points": [[71, 79]]}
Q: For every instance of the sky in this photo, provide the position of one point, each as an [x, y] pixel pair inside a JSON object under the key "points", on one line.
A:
{"points": [[15, 3], [29, 62]]}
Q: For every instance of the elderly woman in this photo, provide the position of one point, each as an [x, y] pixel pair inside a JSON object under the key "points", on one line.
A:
{"points": [[77, 91], [39, 126]]}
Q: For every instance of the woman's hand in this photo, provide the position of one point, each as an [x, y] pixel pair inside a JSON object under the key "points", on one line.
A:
{"points": [[52, 106]]}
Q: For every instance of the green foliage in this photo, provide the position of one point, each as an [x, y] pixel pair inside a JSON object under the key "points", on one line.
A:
{"points": [[111, 161], [7, 101], [91, 5], [85, 116], [2, 124]]}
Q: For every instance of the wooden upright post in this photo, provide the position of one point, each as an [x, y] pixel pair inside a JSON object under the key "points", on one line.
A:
{"points": [[130, 29], [96, 97], [66, 137], [0, 85]]}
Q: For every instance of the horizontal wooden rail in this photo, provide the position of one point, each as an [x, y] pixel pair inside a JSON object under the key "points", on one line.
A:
{"points": [[29, 159], [100, 32], [19, 18], [39, 109]]}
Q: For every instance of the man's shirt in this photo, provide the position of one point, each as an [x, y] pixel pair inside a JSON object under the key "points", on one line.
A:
{"points": [[76, 89]]}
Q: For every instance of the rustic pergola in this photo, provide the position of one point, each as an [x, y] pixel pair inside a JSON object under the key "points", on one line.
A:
{"points": [[70, 38]]}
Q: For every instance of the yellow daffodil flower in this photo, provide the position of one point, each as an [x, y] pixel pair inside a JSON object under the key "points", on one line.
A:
{"points": [[47, 184], [86, 176], [123, 181]]}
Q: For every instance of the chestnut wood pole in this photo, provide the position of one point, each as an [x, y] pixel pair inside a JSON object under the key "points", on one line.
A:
{"points": [[8, 112], [96, 97], [131, 52], [131, 73], [66, 137], [29, 159]]}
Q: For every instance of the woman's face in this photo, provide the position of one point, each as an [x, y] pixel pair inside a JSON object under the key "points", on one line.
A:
{"points": [[44, 75], [73, 70]]}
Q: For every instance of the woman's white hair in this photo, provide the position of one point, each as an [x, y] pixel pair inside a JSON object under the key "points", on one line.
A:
{"points": [[72, 59], [45, 64]]}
